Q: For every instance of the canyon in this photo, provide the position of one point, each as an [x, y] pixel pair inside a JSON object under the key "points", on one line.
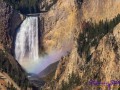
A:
{"points": [[82, 35]]}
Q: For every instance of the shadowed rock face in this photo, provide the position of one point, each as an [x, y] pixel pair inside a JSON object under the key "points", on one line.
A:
{"points": [[8, 64], [47, 71], [5, 14], [9, 21]]}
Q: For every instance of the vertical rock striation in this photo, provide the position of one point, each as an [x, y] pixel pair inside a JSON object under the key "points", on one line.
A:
{"points": [[5, 13], [64, 22], [9, 21]]}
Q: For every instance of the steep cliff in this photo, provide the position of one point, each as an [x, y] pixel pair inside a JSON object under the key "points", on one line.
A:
{"points": [[9, 21], [10, 70], [5, 12], [65, 23], [82, 34], [58, 25], [103, 65]]}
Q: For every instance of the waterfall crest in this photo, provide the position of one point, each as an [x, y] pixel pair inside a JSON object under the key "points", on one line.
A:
{"points": [[26, 44]]}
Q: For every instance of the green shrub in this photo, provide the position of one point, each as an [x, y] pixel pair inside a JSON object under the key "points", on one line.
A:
{"points": [[73, 81], [18, 75], [93, 33]]}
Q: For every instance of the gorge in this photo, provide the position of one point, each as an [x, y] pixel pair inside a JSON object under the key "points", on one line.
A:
{"points": [[27, 47], [68, 44]]}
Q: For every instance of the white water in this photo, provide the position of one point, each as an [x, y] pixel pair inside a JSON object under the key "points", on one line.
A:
{"points": [[26, 48], [26, 45]]}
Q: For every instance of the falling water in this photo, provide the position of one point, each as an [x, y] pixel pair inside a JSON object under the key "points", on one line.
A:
{"points": [[26, 45], [26, 48]]}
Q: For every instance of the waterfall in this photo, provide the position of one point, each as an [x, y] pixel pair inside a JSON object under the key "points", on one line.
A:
{"points": [[26, 48], [26, 43]]}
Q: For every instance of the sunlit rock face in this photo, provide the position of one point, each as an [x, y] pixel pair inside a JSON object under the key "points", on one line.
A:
{"points": [[64, 21], [96, 10]]}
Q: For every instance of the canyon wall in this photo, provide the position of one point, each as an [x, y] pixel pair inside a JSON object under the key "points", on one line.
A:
{"points": [[9, 22], [59, 25], [9, 68], [5, 13], [63, 23], [99, 10]]}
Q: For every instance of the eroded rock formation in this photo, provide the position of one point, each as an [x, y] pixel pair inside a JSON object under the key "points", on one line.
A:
{"points": [[64, 22]]}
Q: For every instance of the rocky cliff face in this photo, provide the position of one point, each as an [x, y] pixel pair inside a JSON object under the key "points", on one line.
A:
{"points": [[59, 21], [64, 22], [104, 63], [9, 67], [9, 21], [5, 13], [66, 26], [100, 10]]}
